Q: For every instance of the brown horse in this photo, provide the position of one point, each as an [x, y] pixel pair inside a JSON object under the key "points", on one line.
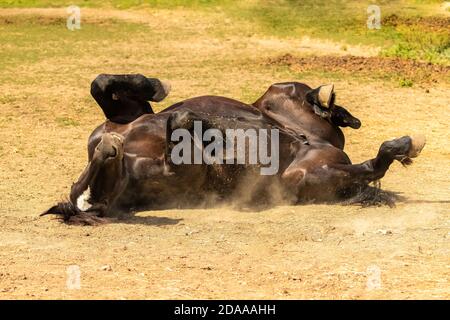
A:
{"points": [[130, 164]]}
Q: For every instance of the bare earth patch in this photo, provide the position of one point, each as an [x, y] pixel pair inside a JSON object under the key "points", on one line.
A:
{"points": [[434, 23], [367, 66]]}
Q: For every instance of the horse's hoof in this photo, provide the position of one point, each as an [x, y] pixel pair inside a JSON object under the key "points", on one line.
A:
{"points": [[417, 144], [162, 92]]}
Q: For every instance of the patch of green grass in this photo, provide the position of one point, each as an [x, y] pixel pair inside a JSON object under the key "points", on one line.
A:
{"points": [[67, 122], [337, 20], [43, 3], [28, 42], [119, 4], [406, 83], [347, 21], [340, 21], [414, 43]]}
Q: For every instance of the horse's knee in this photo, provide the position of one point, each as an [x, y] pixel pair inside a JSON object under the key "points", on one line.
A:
{"points": [[109, 147], [100, 183], [294, 177]]}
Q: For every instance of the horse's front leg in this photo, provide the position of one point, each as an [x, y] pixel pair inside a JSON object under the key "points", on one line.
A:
{"points": [[96, 192]]}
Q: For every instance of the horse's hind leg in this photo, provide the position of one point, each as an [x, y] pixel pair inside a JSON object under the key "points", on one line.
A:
{"points": [[123, 98], [354, 179], [402, 149], [324, 176], [100, 184]]}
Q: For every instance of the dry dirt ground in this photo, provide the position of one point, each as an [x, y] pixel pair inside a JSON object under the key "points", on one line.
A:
{"points": [[288, 252]]}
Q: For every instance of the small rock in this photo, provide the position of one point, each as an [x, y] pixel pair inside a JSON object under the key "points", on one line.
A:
{"points": [[106, 268], [384, 232]]}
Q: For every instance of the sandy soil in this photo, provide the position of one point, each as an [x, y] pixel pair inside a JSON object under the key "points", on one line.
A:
{"points": [[310, 251]]}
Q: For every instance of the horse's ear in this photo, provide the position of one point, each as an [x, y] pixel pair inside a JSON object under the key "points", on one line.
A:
{"points": [[325, 95], [322, 96]]}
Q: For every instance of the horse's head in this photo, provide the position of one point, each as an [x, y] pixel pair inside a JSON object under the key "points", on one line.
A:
{"points": [[291, 100], [307, 111], [322, 100]]}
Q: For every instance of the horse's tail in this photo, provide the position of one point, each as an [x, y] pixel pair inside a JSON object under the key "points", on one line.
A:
{"points": [[70, 214], [65, 210], [369, 196]]}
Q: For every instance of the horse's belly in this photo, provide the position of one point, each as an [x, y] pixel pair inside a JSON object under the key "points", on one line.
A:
{"points": [[166, 187]]}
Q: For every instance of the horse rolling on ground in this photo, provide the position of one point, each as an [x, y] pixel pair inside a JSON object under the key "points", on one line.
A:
{"points": [[130, 164]]}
